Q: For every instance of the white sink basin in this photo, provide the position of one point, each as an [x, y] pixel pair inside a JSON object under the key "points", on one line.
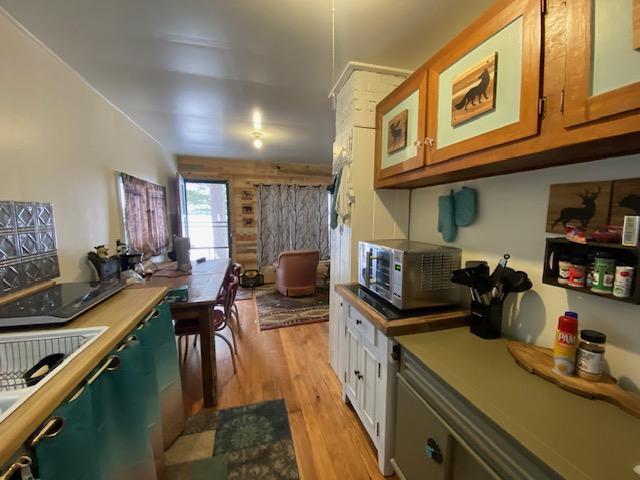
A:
{"points": [[22, 350]]}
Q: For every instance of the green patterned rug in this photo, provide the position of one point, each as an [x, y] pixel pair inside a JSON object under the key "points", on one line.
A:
{"points": [[249, 442]]}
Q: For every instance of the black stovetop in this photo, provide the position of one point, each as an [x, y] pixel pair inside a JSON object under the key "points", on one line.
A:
{"points": [[386, 309]]}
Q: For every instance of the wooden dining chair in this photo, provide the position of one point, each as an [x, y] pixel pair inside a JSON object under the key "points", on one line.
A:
{"points": [[221, 320]]}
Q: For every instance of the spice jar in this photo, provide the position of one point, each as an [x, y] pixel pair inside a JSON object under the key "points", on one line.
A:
{"points": [[623, 282], [604, 270], [577, 272], [564, 265], [590, 355]]}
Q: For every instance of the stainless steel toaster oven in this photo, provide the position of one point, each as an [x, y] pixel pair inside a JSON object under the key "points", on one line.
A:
{"points": [[409, 274]]}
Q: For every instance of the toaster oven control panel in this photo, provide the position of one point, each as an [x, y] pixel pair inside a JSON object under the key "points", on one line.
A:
{"points": [[397, 274]]}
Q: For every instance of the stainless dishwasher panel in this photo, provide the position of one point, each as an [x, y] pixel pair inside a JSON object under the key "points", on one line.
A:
{"points": [[495, 453]]}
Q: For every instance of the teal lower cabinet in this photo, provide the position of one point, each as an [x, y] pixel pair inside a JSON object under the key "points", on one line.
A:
{"points": [[440, 436], [121, 419], [120, 416], [70, 448], [168, 373]]}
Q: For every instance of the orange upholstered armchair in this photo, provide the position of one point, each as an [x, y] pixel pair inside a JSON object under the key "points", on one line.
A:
{"points": [[296, 272]]}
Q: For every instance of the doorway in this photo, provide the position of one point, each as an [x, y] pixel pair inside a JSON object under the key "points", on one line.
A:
{"points": [[206, 219]]}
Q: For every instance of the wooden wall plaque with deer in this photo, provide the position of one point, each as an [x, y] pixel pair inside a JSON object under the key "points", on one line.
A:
{"points": [[585, 205]]}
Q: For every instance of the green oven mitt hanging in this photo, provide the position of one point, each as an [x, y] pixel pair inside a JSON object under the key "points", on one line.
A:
{"points": [[447, 217], [465, 206]]}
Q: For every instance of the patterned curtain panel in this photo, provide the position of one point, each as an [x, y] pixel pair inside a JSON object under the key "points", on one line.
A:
{"points": [[292, 217], [145, 213]]}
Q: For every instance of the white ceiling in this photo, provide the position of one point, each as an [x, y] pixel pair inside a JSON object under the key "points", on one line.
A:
{"points": [[191, 72]]}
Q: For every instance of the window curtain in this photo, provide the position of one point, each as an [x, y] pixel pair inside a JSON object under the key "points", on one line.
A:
{"points": [[292, 217], [145, 214]]}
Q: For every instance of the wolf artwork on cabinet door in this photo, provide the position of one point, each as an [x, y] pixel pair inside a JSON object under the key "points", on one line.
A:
{"points": [[474, 91], [397, 137]]}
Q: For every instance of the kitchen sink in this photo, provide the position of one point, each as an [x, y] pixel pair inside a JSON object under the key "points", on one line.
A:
{"points": [[20, 351]]}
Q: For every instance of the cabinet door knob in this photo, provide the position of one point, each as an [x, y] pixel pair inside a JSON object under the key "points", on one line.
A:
{"points": [[429, 142], [433, 451], [417, 143], [358, 322]]}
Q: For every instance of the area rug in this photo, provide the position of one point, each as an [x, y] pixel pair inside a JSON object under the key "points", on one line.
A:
{"points": [[244, 293], [277, 311], [249, 442]]}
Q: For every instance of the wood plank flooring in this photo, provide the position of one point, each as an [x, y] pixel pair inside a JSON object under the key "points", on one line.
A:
{"points": [[291, 363]]}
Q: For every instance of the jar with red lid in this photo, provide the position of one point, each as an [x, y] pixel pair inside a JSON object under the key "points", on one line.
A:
{"points": [[578, 272]]}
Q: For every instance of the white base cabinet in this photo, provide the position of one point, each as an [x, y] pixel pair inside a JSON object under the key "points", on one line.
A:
{"points": [[369, 379]]}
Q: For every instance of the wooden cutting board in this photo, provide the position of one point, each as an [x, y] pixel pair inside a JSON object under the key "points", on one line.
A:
{"points": [[539, 361]]}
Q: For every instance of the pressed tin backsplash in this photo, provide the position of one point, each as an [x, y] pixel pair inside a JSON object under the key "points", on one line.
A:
{"points": [[28, 250]]}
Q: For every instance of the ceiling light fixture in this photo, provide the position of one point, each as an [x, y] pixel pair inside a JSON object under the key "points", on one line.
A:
{"points": [[257, 140], [257, 120]]}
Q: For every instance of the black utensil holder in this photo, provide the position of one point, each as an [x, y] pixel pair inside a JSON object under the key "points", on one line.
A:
{"points": [[486, 320]]}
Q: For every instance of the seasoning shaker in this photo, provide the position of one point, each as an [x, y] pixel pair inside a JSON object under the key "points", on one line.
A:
{"points": [[590, 355]]}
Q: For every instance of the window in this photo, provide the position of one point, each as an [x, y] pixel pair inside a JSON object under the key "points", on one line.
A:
{"points": [[144, 206], [207, 219]]}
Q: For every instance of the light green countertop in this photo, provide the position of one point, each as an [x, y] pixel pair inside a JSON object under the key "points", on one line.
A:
{"points": [[577, 437]]}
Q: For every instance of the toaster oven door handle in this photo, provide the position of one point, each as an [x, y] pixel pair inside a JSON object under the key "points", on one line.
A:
{"points": [[367, 270]]}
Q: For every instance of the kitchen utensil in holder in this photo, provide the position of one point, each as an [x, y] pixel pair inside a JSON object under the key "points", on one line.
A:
{"points": [[486, 320]]}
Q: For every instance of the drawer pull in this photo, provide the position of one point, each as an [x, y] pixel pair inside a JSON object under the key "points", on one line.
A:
{"points": [[358, 322], [358, 374]]}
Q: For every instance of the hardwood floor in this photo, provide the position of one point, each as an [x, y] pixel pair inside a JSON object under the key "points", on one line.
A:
{"points": [[291, 363]]}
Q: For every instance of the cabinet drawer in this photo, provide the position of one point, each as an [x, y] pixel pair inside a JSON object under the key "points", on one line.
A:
{"points": [[418, 430], [363, 326]]}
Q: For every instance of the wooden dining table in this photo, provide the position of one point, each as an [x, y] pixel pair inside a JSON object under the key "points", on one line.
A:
{"points": [[204, 283]]}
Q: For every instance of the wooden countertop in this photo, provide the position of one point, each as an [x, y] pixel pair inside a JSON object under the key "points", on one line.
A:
{"points": [[457, 316], [120, 313], [579, 438]]}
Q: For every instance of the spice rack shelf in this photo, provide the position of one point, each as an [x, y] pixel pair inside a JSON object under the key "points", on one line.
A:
{"points": [[561, 246]]}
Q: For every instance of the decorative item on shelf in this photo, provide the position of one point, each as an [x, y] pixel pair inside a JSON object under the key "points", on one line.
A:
{"points": [[575, 234], [539, 361], [107, 268], [397, 137], [474, 91], [583, 205], [631, 231], [610, 234], [488, 292], [625, 200]]}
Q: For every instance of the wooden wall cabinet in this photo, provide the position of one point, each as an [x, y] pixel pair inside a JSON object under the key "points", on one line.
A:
{"points": [[506, 50], [602, 76], [579, 96], [406, 104]]}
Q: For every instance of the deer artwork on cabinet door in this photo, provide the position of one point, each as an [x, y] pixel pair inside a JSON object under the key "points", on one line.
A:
{"points": [[582, 214]]}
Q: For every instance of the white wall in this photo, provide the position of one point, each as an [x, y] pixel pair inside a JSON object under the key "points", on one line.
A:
{"points": [[61, 142], [511, 218]]}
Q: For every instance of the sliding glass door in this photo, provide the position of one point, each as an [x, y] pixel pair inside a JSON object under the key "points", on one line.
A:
{"points": [[206, 219]]}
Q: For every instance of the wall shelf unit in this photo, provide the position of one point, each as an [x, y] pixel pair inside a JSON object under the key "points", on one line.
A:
{"points": [[555, 247]]}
